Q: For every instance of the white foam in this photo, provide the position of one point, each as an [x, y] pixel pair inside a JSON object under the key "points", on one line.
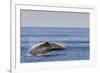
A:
{"points": [[58, 43]]}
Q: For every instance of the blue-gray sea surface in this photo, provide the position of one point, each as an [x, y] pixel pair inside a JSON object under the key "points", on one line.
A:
{"points": [[75, 40]]}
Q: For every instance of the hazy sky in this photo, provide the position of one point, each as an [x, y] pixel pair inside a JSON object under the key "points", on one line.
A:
{"points": [[32, 18]]}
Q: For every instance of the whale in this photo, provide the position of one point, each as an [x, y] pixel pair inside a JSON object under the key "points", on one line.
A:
{"points": [[44, 47]]}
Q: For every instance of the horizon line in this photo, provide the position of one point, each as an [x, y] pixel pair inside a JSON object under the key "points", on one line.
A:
{"points": [[51, 27]]}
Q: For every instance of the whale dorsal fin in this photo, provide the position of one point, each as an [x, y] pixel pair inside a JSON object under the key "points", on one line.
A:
{"points": [[47, 43]]}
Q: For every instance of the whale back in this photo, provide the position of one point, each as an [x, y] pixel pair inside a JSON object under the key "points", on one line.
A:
{"points": [[43, 48]]}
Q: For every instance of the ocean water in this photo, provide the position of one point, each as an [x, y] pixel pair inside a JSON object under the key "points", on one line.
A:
{"points": [[75, 40]]}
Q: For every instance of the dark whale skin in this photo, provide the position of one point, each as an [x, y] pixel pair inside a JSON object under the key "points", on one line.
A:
{"points": [[45, 48]]}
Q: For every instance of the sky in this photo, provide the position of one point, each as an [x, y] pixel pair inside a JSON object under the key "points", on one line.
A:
{"points": [[36, 18]]}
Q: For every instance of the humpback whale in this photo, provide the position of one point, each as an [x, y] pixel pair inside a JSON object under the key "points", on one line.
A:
{"points": [[43, 48]]}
